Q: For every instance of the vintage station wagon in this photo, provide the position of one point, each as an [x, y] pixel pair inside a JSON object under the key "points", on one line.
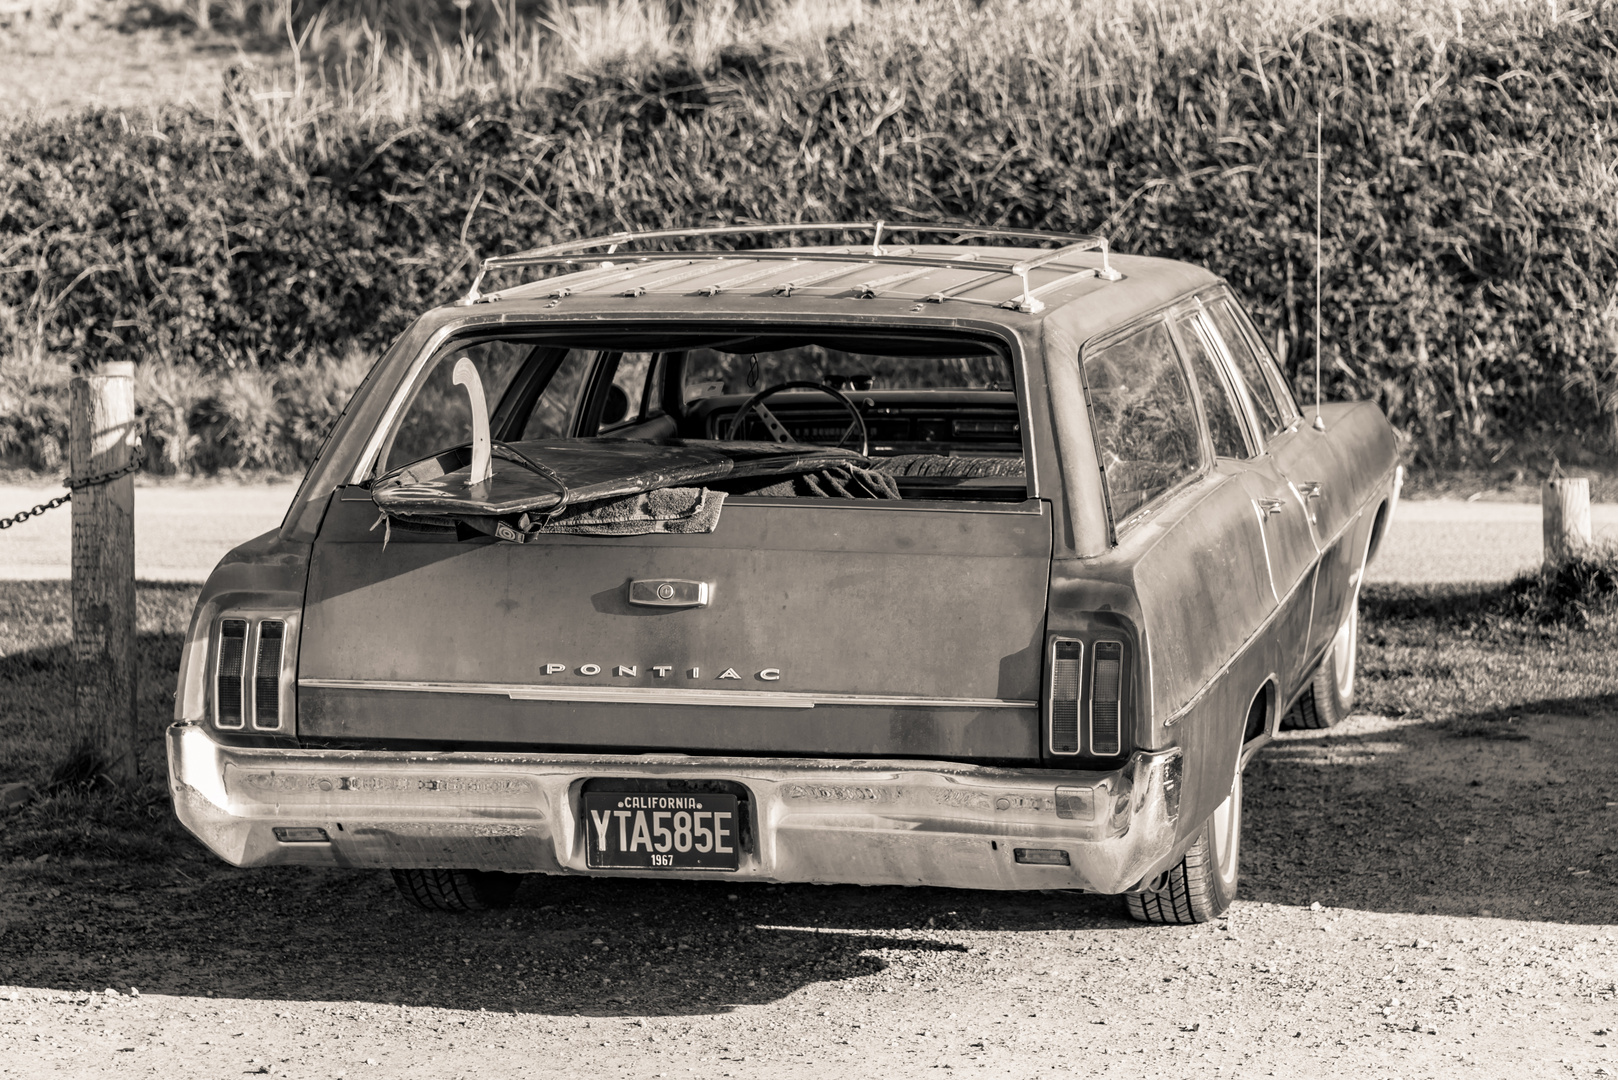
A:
{"points": [[983, 562]]}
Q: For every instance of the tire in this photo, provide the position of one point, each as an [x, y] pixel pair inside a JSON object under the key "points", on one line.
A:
{"points": [[457, 890], [1331, 690], [1202, 886]]}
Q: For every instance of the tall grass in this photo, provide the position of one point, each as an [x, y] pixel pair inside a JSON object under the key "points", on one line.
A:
{"points": [[353, 177], [366, 63]]}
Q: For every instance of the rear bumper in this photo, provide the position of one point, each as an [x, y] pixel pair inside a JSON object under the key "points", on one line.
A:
{"points": [[857, 822]]}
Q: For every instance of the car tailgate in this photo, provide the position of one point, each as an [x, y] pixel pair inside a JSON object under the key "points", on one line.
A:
{"points": [[833, 628]]}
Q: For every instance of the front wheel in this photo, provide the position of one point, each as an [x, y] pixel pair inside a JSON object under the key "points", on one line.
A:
{"points": [[457, 890], [1331, 692], [1202, 886]]}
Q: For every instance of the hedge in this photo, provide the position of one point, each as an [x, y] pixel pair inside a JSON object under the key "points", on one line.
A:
{"points": [[1471, 216]]}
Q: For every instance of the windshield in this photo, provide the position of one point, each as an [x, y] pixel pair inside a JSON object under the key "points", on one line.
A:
{"points": [[710, 372]]}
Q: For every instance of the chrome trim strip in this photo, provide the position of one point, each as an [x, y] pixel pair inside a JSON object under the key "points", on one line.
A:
{"points": [[656, 695]]}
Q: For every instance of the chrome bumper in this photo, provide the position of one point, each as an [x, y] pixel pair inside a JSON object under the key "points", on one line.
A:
{"points": [[856, 822]]}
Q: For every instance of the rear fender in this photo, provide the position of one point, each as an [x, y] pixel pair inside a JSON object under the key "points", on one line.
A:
{"points": [[265, 575]]}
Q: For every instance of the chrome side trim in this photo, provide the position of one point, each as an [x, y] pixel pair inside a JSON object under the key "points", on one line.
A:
{"points": [[657, 695]]}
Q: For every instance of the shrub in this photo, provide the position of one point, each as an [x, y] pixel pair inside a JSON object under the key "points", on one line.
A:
{"points": [[1579, 593], [33, 410], [1471, 215], [166, 396], [311, 395]]}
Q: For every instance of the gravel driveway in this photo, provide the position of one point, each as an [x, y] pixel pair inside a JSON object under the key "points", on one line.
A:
{"points": [[1414, 904]]}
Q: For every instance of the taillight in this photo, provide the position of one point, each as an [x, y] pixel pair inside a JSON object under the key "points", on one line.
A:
{"points": [[267, 674], [1067, 670], [228, 688], [1105, 684], [253, 679]]}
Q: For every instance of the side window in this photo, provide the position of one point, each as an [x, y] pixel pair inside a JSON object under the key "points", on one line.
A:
{"points": [[630, 379], [1145, 425], [1265, 387], [554, 410], [439, 416], [1224, 425]]}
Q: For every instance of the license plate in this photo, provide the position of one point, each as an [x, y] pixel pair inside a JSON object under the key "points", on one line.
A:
{"points": [[660, 832]]}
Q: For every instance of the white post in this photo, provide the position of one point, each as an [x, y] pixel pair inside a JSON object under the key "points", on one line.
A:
{"points": [[1565, 504]]}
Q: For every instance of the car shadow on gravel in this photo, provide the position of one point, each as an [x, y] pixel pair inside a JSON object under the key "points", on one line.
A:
{"points": [[1510, 814], [567, 945]]}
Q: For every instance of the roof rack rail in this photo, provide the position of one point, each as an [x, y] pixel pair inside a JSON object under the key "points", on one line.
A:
{"points": [[578, 251]]}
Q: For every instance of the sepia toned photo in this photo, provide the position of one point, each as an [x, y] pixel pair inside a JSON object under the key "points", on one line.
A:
{"points": [[770, 538]]}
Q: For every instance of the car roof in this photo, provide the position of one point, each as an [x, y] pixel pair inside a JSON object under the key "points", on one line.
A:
{"points": [[1080, 284]]}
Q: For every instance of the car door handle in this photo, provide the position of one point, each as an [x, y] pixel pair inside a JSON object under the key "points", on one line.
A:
{"points": [[1311, 489], [670, 593], [1271, 506]]}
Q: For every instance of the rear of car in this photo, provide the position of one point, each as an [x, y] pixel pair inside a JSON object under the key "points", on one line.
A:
{"points": [[795, 571]]}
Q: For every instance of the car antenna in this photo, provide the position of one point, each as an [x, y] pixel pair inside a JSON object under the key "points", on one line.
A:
{"points": [[1320, 185]]}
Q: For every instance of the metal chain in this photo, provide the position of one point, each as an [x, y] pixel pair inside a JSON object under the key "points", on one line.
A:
{"points": [[136, 460]]}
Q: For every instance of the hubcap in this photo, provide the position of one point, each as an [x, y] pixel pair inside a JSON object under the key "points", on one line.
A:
{"points": [[1227, 831], [1343, 649]]}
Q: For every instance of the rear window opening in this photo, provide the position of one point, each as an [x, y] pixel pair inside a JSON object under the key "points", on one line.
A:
{"points": [[816, 413]]}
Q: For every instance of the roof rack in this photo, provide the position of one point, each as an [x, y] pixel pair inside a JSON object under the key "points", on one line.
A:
{"points": [[579, 251]]}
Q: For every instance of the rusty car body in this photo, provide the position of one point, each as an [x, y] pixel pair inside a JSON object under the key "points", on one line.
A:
{"points": [[1088, 556]]}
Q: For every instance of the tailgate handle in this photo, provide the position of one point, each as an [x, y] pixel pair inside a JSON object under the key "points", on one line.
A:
{"points": [[670, 592]]}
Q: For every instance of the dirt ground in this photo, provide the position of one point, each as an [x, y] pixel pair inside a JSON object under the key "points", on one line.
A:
{"points": [[1414, 903]]}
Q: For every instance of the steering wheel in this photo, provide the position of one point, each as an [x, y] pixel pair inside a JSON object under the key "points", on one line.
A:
{"points": [[780, 433]]}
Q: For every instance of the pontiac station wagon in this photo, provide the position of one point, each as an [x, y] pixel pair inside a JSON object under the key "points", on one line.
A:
{"points": [[985, 562]]}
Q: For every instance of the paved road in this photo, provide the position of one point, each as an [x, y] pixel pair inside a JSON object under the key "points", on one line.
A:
{"points": [[181, 531], [1451, 540]]}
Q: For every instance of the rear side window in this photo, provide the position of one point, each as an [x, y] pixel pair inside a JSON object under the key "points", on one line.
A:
{"points": [[440, 414], [1223, 423], [1145, 425], [1263, 382]]}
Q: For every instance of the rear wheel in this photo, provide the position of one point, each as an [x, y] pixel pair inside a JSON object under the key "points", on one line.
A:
{"points": [[1202, 886], [1331, 692], [457, 890]]}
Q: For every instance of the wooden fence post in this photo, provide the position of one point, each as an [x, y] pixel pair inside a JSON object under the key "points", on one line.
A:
{"points": [[1565, 504], [102, 439]]}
